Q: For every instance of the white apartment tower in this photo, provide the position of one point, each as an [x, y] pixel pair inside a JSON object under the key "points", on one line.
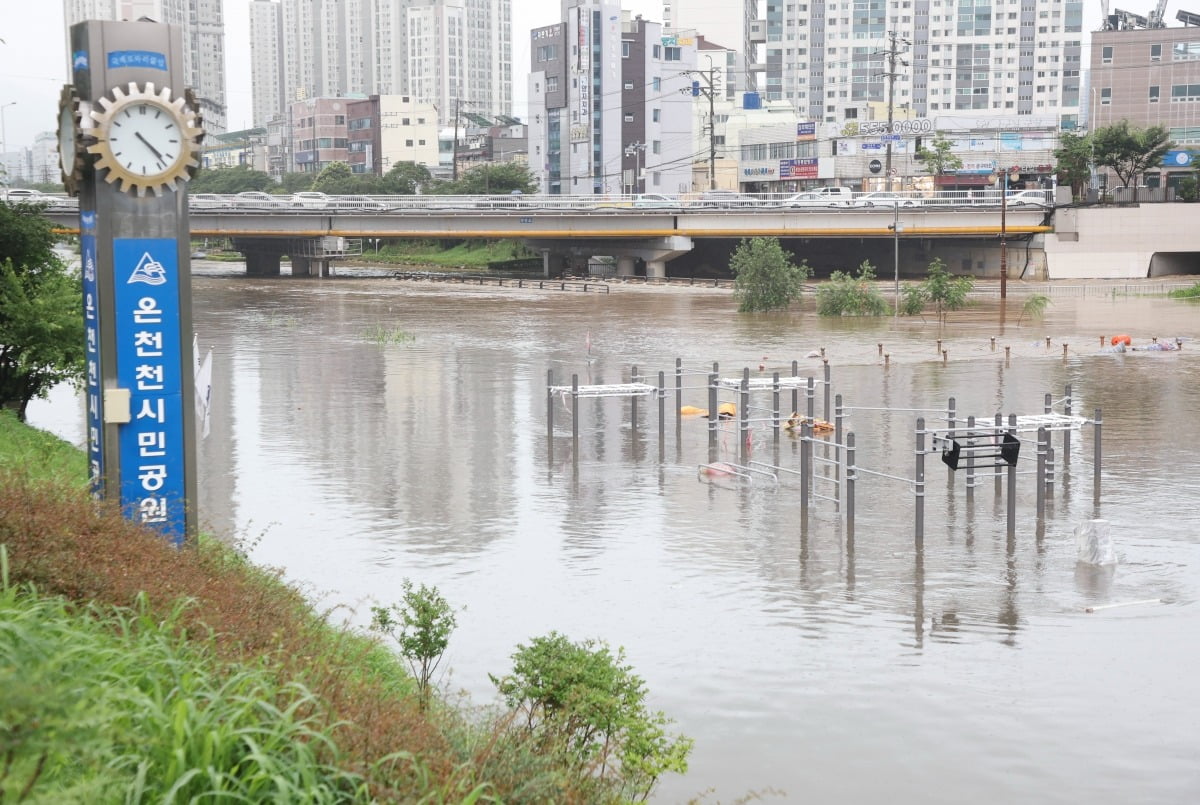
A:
{"points": [[266, 61], [450, 53], [203, 31]]}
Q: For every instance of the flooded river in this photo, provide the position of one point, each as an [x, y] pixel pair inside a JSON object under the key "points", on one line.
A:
{"points": [[807, 668]]}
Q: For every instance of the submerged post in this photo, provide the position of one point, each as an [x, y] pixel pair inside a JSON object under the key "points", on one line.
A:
{"points": [[712, 410], [851, 477], [775, 406], [744, 416], [839, 415], [970, 459], [633, 403], [951, 411], [575, 416], [550, 414], [795, 387], [1041, 474], [996, 464], [662, 407], [805, 470], [1012, 483], [1067, 409], [919, 486], [1096, 461], [811, 399], [678, 399], [827, 416]]}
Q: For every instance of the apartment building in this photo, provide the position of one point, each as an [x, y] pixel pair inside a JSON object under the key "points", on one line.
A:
{"points": [[453, 54], [385, 130], [610, 103], [203, 32], [318, 133]]}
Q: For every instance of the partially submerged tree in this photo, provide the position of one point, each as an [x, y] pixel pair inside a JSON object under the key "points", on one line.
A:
{"points": [[421, 625], [41, 311], [940, 289], [1128, 150], [765, 278], [848, 295]]}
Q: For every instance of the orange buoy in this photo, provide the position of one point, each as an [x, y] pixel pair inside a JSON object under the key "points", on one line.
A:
{"points": [[1121, 339], [726, 410]]}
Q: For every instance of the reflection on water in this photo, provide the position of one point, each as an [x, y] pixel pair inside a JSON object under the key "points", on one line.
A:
{"points": [[797, 658]]}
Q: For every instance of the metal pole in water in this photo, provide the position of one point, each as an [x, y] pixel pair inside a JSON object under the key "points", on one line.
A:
{"points": [[827, 416], [633, 403], [1041, 474], [712, 410], [950, 413], [775, 406], [678, 399], [851, 477], [575, 416], [1066, 448], [1012, 483], [805, 471], [549, 415], [996, 464], [811, 396], [1096, 462], [919, 488], [795, 388], [744, 416], [970, 459], [1049, 466], [839, 415], [662, 412]]}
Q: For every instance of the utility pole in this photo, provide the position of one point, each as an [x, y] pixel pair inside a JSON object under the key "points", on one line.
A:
{"points": [[893, 54], [710, 88], [454, 167]]}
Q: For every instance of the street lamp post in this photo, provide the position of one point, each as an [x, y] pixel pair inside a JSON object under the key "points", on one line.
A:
{"points": [[1002, 177], [896, 230]]}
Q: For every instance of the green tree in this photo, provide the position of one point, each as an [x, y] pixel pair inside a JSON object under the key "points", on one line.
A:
{"points": [[848, 295], [498, 179], [1074, 161], [1034, 307], [295, 182], [765, 278], [940, 289], [41, 318], [406, 179], [338, 179], [228, 181], [1129, 150], [421, 625], [940, 158], [584, 697]]}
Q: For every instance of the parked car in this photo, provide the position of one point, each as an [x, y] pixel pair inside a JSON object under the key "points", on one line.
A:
{"points": [[885, 198], [22, 195], [310, 199], [257, 199], [811, 198]]}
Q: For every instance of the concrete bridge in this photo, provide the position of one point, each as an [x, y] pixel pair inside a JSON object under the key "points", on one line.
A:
{"points": [[1065, 242]]}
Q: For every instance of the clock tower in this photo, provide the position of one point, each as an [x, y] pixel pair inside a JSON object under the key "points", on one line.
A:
{"points": [[129, 141]]}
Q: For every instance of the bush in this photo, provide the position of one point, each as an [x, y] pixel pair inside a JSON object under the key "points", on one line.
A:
{"points": [[942, 290], [584, 698], [765, 276], [846, 295]]}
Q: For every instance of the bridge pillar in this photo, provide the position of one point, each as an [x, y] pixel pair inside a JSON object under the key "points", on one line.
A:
{"points": [[625, 265], [260, 264], [656, 269], [301, 266]]}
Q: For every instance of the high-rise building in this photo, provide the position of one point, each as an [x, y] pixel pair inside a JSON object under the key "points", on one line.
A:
{"points": [[610, 104], [728, 23], [203, 32], [454, 54], [266, 61]]}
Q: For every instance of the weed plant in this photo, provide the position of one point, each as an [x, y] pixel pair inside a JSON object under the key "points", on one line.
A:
{"points": [[380, 334], [1186, 293]]}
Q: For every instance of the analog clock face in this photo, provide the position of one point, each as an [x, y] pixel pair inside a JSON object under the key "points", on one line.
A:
{"points": [[145, 138]]}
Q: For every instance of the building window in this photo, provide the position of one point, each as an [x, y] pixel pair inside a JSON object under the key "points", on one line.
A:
{"points": [[624, 50], [628, 85], [1154, 95], [672, 54], [629, 117], [551, 83], [654, 114], [656, 84], [1106, 96], [408, 143], [657, 50], [1156, 53], [656, 147], [1185, 92]]}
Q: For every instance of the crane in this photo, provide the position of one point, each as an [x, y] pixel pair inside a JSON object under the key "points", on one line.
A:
{"points": [[1156, 16]]}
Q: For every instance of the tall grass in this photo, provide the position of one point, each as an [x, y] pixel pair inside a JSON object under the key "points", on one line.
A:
{"points": [[131, 670]]}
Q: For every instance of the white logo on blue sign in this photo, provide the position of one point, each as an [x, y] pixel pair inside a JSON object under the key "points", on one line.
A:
{"points": [[149, 271], [79, 60]]}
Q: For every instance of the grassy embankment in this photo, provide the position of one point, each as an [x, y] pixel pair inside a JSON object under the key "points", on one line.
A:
{"points": [[466, 255], [131, 671]]}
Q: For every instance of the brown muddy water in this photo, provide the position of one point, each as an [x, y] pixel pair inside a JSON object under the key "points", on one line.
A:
{"points": [[806, 667]]}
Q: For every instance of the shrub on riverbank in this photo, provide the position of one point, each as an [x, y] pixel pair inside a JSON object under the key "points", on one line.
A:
{"points": [[133, 670], [1186, 293]]}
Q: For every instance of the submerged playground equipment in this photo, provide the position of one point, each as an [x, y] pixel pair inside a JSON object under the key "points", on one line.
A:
{"points": [[976, 447]]}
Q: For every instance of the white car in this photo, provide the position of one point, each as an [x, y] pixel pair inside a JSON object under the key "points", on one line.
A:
{"points": [[257, 199], [884, 198], [310, 200], [21, 195], [813, 199], [1036, 198], [656, 201]]}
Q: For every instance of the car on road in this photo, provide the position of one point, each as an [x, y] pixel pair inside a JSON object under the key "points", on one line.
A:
{"points": [[726, 199], [885, 198], [22, 195], [205, 201], [655, 201], [811, 198], [357, 204], [1035, 198], [258, 200], [310, 199]]}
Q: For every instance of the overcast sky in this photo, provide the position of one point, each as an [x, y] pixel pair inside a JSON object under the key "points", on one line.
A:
{"points": [[33, 56]]}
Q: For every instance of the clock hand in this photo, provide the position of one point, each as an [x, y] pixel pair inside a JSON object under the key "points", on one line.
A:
{"points": [[138, 134]]}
